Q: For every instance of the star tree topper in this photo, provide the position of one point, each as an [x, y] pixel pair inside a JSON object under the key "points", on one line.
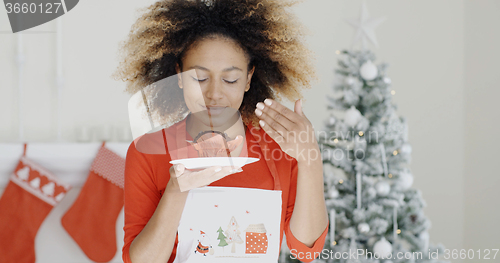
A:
{"points": [[364, 27]]}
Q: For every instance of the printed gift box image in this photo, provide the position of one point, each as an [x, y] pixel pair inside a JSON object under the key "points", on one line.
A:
{"points": [[256, 239], [211, 230]]}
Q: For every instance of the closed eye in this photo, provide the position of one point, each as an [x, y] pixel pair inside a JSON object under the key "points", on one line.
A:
{"points": [[231, 81], [199, 80]]}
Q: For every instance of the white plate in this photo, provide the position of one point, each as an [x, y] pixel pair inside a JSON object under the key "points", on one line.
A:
{"points": [[205, 162]]}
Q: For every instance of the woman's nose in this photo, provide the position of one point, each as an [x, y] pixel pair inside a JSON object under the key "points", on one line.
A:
{"points": [[214, 91]]}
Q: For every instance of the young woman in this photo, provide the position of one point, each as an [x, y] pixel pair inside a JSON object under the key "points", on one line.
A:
{"points": [[230, 56]]}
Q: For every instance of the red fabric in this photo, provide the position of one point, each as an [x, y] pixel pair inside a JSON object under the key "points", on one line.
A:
{"points": [[91, 220], [29, 197], [146, 176]]}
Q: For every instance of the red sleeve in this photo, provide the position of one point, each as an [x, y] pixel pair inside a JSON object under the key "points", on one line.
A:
{"points": [[141, 196], [299, 249]]}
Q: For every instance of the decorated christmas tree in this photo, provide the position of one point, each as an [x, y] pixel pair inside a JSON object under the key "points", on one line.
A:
{"points": [[222, 238], [366, 157]]}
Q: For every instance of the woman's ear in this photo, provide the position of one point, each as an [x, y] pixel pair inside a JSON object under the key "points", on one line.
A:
{"points": [[249, 77], [179, 75]]}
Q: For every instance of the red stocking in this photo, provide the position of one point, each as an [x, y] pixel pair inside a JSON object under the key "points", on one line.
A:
{"points": [[91, 221], [30, 195]]}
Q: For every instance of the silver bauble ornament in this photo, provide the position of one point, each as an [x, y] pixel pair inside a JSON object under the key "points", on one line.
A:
{"points": [[368, 70], [383, 248], [383, 188], [406, 148], [424, 236], [405, 180], [363, 228], [350, 80], [352, 117], [387, 80], [331, 121], [334, 193]]}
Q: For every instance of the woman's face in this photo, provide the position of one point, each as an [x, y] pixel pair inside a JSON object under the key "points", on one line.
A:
{"points": [[214, 79]]}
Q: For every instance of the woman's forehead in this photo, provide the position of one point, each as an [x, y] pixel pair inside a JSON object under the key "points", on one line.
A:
{"points": [[216, 54], [228, 69]]}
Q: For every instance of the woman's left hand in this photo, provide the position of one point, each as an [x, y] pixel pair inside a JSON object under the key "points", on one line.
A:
{"points": [[290, 129]]}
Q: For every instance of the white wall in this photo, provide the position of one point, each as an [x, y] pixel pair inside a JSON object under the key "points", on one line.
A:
{"points": [[91, 31], [441, 64], [482, 78]]}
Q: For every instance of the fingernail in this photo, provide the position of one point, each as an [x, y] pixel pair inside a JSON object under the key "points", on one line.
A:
{"points": [[268, 102], [218, 169], [178, 168], [260, 106], [237, 170], [258, 112], [262, 123]]}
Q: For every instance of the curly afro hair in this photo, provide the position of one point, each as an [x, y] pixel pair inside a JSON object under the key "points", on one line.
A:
{"points": [[269, 34]]}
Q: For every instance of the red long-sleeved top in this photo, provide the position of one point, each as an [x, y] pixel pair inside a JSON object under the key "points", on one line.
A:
{"points": [[147, 175]]}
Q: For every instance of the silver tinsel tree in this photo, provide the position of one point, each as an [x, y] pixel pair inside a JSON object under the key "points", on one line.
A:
{"points": [[366, 157]]}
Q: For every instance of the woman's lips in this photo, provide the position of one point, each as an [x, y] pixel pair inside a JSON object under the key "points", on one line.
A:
{"points": [[214, 110]]}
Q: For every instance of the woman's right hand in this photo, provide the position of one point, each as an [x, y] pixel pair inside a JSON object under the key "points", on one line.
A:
{"points": [[182, 179]]}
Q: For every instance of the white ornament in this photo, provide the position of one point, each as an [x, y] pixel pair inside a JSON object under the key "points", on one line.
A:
{"points": [[383, 188], [363, 228], [334, 193], [23, 173], [364, 27], [405, 180], [352, 116], [331, 121], [406, 148], [350, 80], [424, 236], [383, 248], [387, 80], [368, 70]]}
